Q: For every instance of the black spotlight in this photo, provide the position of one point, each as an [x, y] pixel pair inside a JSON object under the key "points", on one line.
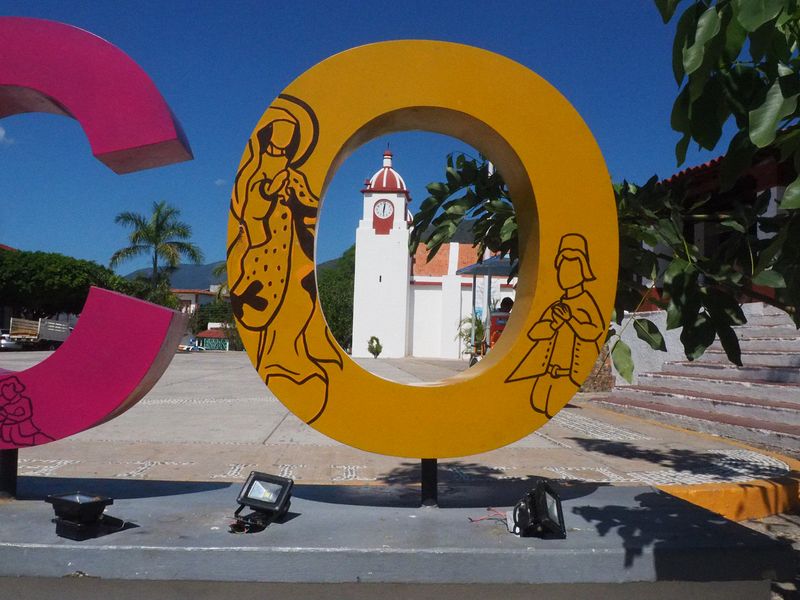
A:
{"points": [[80, 516], [539, 514], [267, 496]]}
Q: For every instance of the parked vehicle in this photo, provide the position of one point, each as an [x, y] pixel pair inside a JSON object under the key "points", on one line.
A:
{"points": [[44, 333], [190, 348], [6, 343]]}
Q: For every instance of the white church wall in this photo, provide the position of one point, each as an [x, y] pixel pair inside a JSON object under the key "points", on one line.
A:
{"points": [[427, 321], [466, 301], [450, 316], [410, 322], [381, 290]]}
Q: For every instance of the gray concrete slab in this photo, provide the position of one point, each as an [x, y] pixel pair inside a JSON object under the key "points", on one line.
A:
{"points": [[412, 369], [340, 534], [80, 588]]}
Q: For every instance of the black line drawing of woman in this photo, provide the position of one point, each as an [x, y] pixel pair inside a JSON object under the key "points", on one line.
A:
{"points": [[16, 415], [277, 215], [566, 330]]}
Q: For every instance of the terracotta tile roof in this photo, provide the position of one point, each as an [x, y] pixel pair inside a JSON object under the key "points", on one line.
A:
{"points": [[766, 170], [704, 168], [218, 334]]}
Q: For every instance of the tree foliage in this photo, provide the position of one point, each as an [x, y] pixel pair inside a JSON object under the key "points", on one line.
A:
{"points": [[42, 284], [160, 235], [161, 293], [699, 288], [335, 285], [218, 311], [374, 346], [467, 336], [473, 190], [736, 62]]}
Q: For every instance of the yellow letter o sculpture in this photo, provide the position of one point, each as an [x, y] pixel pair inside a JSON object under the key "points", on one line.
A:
{"points": [[565, 209]]}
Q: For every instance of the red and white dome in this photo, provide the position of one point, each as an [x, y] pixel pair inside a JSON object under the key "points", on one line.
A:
{"points": [[387, 179]]}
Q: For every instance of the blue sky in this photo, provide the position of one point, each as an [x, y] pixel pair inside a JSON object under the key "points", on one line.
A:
{"points": [[219, 65]]}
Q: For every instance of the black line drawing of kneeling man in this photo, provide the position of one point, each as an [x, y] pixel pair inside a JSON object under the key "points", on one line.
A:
{"points": [[567, 333]]}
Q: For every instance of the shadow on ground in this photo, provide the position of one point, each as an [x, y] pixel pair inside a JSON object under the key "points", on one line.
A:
{"points": [[680, 537], [716, 464], [786, 528], [37, 488], [469, 485]]}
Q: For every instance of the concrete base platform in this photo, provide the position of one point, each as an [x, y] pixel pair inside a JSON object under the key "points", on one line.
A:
{"points": [[84, 587], [376, 535]]}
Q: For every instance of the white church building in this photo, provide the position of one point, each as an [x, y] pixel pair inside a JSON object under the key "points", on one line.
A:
{"points": [[412, 306]]}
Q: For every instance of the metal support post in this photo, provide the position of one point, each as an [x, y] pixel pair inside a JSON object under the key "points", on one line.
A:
{"points": [[430, 482], [9, 460]]}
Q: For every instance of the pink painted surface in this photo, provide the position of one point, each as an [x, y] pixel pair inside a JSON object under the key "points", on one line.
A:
{"points": [[118, 350], [47, 66], [121, 346]]}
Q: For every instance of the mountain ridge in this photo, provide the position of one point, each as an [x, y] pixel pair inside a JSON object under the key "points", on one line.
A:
{"points": [[200, 277]]}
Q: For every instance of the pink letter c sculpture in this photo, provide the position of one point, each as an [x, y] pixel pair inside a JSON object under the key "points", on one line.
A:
{"points": [[121, 346], [119, 349], [51, 67]]}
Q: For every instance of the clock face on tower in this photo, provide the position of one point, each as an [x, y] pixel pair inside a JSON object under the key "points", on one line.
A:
{"points": [[383, 209]]}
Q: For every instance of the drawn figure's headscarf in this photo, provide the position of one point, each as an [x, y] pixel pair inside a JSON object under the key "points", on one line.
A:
{"points": [[573, 246]]}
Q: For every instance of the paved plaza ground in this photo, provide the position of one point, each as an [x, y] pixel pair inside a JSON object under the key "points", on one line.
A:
{"points": [[210, 418]]}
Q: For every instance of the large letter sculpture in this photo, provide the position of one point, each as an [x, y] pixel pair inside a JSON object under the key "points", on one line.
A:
{"points": [[51, 67], [567, 230], [121, 346]]}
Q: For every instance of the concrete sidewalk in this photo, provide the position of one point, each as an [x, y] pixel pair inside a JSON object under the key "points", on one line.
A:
{"points": [[210, 418]]}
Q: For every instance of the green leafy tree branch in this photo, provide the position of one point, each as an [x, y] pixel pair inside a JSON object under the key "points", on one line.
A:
{"points": [[735, 61], [335, 284], [700, 290]]}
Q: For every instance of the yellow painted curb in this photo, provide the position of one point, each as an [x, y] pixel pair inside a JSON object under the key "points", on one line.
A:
{"points": [[742, 501], [739, 501]]}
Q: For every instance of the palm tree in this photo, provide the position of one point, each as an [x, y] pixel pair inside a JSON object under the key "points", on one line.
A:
{"points": [[221, 271], [161, 235]]}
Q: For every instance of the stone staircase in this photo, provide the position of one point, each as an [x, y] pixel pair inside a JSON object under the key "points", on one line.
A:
{"points": [[757, 403]]}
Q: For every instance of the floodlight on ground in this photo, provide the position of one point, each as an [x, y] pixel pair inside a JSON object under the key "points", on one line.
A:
{"points": [[78, 516], [268, 496], [539, 514]]}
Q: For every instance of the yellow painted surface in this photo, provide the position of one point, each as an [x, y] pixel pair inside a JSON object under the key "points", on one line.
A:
{"points": [[566, 213], [746, 500]]}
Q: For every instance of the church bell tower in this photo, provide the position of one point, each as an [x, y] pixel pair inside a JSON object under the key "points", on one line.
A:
{"points": [[383, 265]]}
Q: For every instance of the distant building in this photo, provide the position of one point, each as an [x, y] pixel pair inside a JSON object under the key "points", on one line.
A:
{"points": [[216, 337], [414, 307], [191, 300]]}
